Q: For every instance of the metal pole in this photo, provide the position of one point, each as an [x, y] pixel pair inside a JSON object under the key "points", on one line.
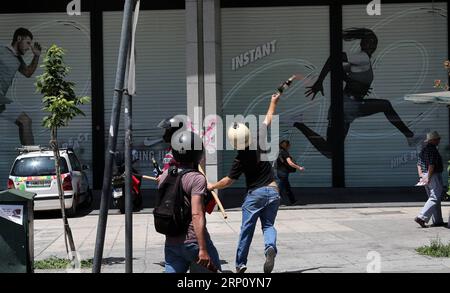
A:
{"points": [[337, 99], [113, 132], [128, 193]]}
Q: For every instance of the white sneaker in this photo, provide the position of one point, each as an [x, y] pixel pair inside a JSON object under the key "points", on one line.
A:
{"points": [[270, 260], [241, 269]]}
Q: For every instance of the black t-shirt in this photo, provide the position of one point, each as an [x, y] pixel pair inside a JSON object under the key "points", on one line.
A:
{"points": [[282, 164], [257, 173], [430, 156]]}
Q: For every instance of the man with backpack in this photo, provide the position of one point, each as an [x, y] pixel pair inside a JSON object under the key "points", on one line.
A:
{"points": [[180, 210], [170, 126], [262, 199]]}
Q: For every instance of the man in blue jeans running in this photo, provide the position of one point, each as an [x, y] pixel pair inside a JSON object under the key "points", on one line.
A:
{"points": [[262, 199]]}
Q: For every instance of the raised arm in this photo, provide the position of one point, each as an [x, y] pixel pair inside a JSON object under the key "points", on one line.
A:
{"points": [[272, 108], [28, 70], [325, 70], [318, 85]]}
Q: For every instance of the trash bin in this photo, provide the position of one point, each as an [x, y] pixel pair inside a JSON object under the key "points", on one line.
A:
{"points": [[16, 231]]}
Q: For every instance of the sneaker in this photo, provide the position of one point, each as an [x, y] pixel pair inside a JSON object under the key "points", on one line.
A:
{"points": [[420, 222], [442, 224], [241, 269], [292, 203], [270, 260]]}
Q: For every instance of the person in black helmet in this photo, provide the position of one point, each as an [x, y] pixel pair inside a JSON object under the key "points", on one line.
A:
{"points": [[196, 245], [262, 199], [170, 126]]}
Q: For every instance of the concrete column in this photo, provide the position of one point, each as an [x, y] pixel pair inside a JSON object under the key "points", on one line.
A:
{"points": [[203, 70], [192, 58], [212, 71]]}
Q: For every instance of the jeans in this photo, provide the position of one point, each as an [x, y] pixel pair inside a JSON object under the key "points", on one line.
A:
{"points": [[285, 186], [178, 258], [432, 208], [261, 203]]}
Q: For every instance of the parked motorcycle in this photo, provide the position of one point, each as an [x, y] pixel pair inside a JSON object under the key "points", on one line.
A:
{"points": [[118, 187]]}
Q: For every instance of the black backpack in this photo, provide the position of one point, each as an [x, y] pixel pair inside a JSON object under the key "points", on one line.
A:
{"points": [[172, 213]]}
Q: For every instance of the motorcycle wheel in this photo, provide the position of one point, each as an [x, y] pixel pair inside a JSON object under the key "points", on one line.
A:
{"points": [[121, 204], [138, 203]]}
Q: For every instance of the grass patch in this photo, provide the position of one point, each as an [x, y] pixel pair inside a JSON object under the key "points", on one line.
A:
{"points": [[435, 249], [54, 263]]}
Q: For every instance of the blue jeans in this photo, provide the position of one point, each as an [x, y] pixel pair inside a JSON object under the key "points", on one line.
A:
{"points": [[179, 257], [285, 186], [261, 203]]}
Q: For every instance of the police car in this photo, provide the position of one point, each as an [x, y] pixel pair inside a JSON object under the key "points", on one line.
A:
{"points": [[34, 171]]}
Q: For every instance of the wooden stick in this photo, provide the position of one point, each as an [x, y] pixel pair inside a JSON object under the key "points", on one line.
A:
{"points": [[149, 178], [216, 197]]}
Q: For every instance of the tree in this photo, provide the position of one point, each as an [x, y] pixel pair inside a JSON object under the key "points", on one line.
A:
{"points": [[60, 101]]}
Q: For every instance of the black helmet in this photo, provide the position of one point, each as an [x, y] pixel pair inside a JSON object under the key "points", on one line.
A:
{"points": [[170, 125], [187, 147]]}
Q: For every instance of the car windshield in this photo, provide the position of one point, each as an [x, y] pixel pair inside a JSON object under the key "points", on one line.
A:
{"points": [[38, 166]]}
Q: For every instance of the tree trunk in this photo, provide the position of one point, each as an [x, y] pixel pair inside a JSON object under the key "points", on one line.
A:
{"points": [[67, 231]]}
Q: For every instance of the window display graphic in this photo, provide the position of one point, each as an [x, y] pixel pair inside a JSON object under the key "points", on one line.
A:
{"points": [[358, 79], [384, 58], [11, 62], [24, 39]]}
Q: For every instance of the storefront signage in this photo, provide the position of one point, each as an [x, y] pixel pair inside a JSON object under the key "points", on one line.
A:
{"points": [[253, 55]]}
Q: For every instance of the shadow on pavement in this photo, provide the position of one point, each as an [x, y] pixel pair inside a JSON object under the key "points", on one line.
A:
{"points": [[310, 269], [110, 261], [55, 214]]}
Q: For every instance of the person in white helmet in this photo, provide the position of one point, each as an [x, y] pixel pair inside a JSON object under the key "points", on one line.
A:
{"points": [[262, 199]]}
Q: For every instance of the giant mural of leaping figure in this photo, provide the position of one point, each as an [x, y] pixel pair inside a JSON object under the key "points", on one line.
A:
{"points": [[358, 80]]}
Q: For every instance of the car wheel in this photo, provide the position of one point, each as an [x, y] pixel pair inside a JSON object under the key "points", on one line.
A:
{"points": [[121, 204], [138, 203], [89, 199]]}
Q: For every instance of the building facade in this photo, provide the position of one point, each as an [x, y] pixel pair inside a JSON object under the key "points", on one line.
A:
{"points": [[228, 57]]}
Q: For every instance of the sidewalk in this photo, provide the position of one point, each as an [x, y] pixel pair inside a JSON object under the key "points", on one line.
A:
{"points": [[313, 240]]}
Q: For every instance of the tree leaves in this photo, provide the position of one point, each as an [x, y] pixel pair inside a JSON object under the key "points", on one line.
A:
{"points": [[59, 98]]}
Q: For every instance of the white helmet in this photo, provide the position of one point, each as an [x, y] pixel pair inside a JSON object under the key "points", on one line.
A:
{"points": [[239, 136]]}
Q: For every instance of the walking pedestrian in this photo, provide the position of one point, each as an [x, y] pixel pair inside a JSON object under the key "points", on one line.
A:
{"points": [[430, 168], [286, 165]]}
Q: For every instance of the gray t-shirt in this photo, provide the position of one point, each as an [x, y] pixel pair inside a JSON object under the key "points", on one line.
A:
{"points": [[10, 63], [194, 184]]}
